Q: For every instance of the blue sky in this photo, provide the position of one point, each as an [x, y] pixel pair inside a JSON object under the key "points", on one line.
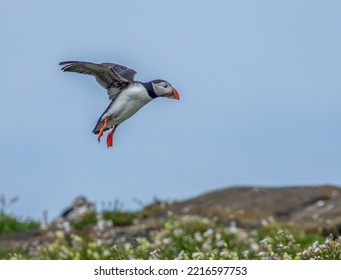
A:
{"points": [[260, 99]]}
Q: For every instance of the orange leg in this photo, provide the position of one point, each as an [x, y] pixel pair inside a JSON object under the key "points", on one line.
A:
{"points": [[102, 129], [110, 136]]}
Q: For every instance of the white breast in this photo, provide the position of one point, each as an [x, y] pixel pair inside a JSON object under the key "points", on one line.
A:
{"points": [[127, 103]]}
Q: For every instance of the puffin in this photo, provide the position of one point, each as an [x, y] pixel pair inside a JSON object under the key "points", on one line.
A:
{"points": [[126, 94]]}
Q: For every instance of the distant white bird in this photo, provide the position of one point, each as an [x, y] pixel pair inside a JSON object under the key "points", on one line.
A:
{"points": [[127, 95]]}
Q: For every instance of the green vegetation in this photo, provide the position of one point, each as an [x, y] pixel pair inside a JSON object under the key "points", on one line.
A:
{"points": [[186, 237], [120, 218], [88, 220], [10, 225], [118, 234]]}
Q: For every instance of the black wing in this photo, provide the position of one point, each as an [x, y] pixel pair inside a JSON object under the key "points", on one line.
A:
{"points": [[113, 77], [123, 71]]}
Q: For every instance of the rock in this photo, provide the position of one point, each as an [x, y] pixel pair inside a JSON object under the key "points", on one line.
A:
{"points": [[308, 208]]}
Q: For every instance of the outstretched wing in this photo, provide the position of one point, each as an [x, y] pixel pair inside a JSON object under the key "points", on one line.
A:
{"points": [[113, 77], [123, 71]]}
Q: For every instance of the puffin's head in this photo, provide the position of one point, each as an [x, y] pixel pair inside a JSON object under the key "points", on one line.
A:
{"points": [[164, 89]]}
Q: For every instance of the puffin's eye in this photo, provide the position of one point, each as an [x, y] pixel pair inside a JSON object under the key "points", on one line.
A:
{"points": [[165, 85]]}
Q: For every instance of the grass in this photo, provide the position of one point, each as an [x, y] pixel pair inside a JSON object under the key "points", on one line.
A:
{"points": [[185, 238], [92, 235], [10, 224]]}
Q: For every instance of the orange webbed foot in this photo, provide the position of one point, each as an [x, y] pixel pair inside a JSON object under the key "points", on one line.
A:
{"points": [[110, 136], [100, 134]]}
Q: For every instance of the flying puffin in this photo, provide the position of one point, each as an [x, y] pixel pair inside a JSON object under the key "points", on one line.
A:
{"points": [[127, 95]]}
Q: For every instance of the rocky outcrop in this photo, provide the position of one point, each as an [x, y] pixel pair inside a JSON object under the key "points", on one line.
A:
{"points": [[308, 208]]}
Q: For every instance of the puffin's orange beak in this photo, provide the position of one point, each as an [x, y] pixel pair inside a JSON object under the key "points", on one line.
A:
{"points": [[174, 94]]}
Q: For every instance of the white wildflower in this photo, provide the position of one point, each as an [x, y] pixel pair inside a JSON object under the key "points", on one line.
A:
{"points": [[233, 227], [166, 241], [101, 225], [220, 243], [127, 246], [264, 222], [180, 255], [263, 241], [106, 253], [245, 253], [223, 252], [254, 246], [198, 237], [261, 254], [218, 236], [315, 244], [208, 232], [195, 255], [206, 246]]}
